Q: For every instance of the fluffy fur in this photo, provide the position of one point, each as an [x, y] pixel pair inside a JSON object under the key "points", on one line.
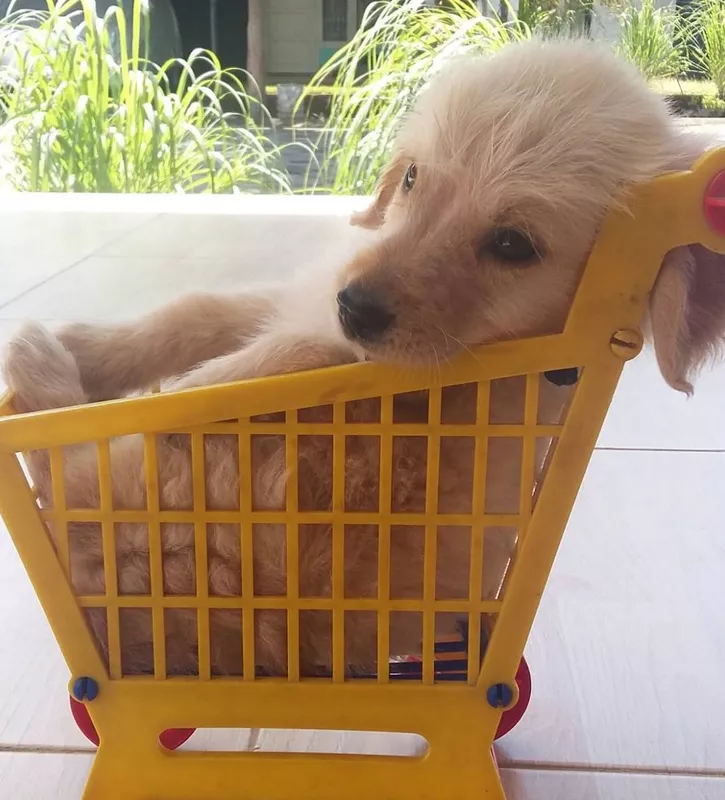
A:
{"points": [[542, 138]]}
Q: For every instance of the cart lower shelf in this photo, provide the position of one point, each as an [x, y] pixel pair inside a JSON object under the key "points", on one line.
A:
{"points": [[174, 738]]}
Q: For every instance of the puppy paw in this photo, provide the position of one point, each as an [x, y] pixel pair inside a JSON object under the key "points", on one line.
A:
{"points": [[108, 358], [40, 371]]}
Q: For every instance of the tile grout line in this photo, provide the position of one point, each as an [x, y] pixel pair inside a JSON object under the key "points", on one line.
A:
{"points": [[46, 749], [612, 769], [506, 765], [703, 450], [30, 289], [254, 737], [63, 271]]}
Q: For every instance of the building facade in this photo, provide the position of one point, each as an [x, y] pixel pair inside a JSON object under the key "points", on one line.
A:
{"points": [[291, 39], [300, 35]]}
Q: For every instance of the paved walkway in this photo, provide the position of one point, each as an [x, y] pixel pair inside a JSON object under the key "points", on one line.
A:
{"points": [[628, 650]]}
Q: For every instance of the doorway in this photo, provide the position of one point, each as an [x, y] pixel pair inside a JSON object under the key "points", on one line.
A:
{"points": [[218, 25]]}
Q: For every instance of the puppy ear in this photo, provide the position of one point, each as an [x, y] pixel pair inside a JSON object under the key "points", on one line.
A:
{"points": [[687, 313], [374, 216]]}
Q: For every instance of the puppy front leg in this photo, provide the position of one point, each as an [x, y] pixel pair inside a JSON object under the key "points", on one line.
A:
{"points": [[270, 354], [117, 359]]}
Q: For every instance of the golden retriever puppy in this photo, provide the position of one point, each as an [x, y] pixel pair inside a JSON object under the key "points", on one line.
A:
{"points": [[485, 216]]}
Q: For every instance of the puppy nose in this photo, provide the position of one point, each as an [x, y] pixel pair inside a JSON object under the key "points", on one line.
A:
{"points": [[362, 314]]}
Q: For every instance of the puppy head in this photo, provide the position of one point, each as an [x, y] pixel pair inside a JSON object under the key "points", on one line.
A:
{"points": [[501, 177]]}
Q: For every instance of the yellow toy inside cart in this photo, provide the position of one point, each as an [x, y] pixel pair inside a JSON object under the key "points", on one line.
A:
{"points": [[460, 690]]}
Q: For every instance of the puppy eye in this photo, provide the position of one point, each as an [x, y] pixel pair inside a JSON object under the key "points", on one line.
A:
{"points": [[409, 179], [511, 245]]}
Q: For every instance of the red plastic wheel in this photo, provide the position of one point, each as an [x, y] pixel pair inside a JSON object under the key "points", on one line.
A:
{"points": [[511, 718], [170, 739], [714, 203]]}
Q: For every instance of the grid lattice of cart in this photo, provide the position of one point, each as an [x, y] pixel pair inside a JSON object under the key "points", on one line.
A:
{"points": [[458, 464]]}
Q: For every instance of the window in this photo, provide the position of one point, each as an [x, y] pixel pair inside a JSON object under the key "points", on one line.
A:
{"points": [[334, 20]]}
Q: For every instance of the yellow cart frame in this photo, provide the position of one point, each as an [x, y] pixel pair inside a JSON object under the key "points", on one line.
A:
{"points": [[601, 333]]}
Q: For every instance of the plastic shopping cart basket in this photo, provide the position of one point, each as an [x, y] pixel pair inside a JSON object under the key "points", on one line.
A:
{"points": [[456, 690]]}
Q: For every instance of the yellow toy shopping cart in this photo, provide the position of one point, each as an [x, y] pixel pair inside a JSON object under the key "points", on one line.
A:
{"points": [[457, 693]]}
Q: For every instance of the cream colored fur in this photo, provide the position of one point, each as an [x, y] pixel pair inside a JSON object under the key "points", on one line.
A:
{"points": [[543, 138]]}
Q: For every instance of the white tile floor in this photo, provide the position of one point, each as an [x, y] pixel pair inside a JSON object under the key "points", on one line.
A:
{"points": [[629, 647]]}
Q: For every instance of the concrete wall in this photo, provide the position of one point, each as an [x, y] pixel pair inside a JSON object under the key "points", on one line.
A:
{"points": [[294, 40], [605, 26], [292, 36]]}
